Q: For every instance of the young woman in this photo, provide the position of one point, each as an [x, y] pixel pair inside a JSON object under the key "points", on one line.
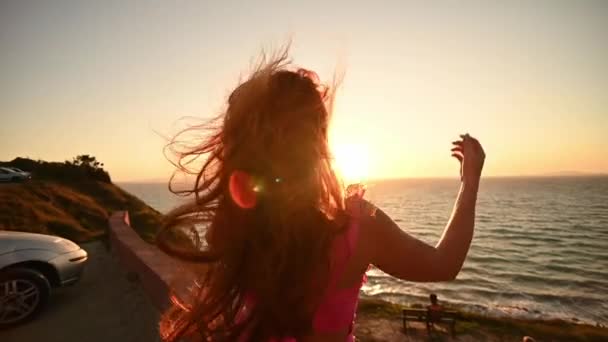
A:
{"points": [[285, 252]]}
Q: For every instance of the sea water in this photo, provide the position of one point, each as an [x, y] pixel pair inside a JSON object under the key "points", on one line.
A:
{"points": [[540, 248]]}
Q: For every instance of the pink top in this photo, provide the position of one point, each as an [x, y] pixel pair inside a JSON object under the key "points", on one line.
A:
{"points": [[337, 310]]}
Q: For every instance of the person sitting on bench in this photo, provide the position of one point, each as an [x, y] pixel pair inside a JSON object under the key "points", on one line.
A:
{"points": [[433, 312]]}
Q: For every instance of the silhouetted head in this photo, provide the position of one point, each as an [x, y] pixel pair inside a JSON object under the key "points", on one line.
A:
{"points": [[270, 203], [274, 139], [433, 298]]}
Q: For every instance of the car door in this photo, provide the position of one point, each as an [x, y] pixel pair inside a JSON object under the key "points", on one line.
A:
{"points": [[5, 176]]}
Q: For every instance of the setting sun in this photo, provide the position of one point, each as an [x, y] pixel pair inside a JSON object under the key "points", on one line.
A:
{"points": [[351, 162]]}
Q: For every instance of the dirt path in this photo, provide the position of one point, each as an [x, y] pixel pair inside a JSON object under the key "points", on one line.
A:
{"points": [[390, 330], [103, 306]]}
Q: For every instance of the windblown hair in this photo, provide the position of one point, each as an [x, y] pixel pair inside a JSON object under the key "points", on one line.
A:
{"points": [[275, 129]]}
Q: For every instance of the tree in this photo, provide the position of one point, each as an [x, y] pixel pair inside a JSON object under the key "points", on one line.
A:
{"points": [[85, 160]]}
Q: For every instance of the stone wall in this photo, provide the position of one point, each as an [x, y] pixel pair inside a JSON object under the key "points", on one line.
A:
{"points": [[154, 269]]}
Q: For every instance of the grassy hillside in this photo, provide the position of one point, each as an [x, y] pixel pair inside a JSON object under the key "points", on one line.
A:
{"points": [[69, 200]]}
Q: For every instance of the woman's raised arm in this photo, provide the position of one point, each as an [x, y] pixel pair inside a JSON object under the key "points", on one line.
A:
{"points": [[404, 256]]}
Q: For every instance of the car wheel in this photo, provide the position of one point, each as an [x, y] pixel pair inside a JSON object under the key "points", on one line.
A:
{"points": [[23, 293]]}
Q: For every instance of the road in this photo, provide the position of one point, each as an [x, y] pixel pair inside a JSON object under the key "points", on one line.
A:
{"points": [[104, 306]]}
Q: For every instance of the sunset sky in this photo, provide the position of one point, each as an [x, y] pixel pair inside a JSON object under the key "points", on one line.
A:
{"points": [[112, 78]]}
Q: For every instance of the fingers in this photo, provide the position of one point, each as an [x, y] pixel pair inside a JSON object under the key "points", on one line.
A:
{"points": [[467, 140], [457, 156], [468, 147], [467, 137], [458, 149]]}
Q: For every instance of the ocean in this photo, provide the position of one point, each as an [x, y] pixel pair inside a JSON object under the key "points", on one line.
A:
{"points": [[540, 248]]}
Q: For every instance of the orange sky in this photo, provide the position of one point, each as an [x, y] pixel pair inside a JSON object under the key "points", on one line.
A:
{"points": [[528, 79]]}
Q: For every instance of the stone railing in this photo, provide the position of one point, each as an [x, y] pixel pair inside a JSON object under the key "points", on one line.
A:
{"points": [[154, 269]]}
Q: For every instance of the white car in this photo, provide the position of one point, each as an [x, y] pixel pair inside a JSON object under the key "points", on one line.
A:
{"points": [[13, 174], [25, 173], [30, 265]]}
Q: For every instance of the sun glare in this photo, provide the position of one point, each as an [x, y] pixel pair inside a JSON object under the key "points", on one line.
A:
{"points": [[351, 162]]}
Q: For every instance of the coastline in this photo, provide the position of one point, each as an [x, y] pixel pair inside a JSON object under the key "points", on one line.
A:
{"points": [[494, 312], [379, 320], [484, 311], [482, 307]]}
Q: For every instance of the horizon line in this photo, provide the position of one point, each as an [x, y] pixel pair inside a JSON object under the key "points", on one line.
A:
{"points": [[542, 175]]}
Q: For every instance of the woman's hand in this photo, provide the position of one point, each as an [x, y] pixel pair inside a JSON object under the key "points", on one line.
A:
{"points": [[396, 252], [471, 156]]}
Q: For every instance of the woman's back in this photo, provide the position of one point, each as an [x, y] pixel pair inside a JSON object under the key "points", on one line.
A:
{"points": [[274, 213], [333, 319], [335, 315]]}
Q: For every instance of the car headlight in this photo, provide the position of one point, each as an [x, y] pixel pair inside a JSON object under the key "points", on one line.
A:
{"points": [[66, 245]]}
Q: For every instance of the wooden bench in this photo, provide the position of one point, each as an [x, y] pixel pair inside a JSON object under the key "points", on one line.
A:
{"points": [[422, 315]]}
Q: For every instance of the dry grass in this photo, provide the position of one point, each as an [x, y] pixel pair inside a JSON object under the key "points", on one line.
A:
{"points": [[477, 327], [78, 210]]}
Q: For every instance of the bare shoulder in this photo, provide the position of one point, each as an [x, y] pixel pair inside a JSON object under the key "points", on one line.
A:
{"points": [[360, 208], [369, 217], [373, 218]]}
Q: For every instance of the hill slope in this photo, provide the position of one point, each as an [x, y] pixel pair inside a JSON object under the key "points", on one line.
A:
{"points": [[77, 208]]}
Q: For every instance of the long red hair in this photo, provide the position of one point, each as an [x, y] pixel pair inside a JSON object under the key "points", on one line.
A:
{"points": [[275, 130]]}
